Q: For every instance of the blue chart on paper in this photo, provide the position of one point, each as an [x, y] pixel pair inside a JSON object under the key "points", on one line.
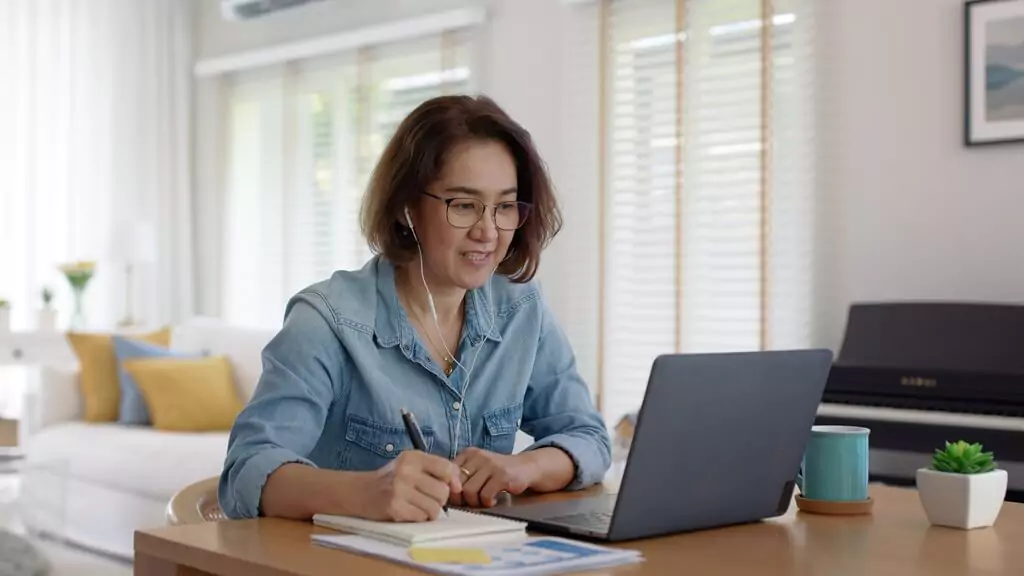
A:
{"points": [[541, 551]]}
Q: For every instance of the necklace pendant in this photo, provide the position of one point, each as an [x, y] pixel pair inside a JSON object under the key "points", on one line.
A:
{"points": [[448, 369]]}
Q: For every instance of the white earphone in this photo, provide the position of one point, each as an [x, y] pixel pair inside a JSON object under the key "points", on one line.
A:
{"points": [[430, 297], [437, 325]]}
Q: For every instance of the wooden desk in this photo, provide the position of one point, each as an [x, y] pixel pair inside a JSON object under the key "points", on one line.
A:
{"points": [[896, 539]]}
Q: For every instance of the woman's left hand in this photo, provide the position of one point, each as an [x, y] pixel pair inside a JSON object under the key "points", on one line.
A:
{"points": [[485, 475]]}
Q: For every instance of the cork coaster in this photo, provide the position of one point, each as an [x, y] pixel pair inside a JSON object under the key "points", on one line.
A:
{"points": [[834, 508]]}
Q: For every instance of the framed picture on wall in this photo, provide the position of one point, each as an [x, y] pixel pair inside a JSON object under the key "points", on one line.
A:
{"points": [[994, 71]]}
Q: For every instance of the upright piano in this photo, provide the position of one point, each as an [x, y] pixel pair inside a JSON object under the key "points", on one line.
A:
{"points": [[921, 373]]}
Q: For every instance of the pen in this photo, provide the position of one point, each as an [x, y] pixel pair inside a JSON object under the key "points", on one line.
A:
{"points": [[416, 435]]}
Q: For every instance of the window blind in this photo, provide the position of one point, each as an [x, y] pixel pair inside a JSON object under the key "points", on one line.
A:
{"points": [[302, 141], [708, 181]]}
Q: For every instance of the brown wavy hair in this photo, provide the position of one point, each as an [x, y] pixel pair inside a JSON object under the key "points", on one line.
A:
{"points": [[414, 158]]}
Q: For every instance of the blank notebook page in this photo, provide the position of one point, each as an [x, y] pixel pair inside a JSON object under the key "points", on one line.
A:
{"points": [[457, 525]]}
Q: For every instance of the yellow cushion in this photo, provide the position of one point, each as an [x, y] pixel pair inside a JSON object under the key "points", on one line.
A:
{"points": [[193, 395], [98, 377]]}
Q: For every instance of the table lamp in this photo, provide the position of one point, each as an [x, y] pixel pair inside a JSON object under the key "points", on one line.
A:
{"points": [[133, 245]]}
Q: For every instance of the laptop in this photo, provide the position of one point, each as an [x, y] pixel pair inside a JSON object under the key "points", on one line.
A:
{"points": [[718, 441]]}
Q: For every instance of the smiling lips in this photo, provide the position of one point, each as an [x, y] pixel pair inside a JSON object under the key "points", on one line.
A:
{"points": [[477, 258]]}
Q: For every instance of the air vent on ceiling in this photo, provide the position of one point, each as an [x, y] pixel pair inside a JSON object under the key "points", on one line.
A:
{"points": [[249, 9]]}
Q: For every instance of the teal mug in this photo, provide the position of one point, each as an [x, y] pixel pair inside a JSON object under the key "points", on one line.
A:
{"points": [[835, 464]]}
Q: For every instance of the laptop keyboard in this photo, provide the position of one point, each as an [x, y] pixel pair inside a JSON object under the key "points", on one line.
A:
{"points": [[596, 521]]}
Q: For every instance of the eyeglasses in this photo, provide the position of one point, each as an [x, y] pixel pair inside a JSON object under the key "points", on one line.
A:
{"points": [[467, 212]]}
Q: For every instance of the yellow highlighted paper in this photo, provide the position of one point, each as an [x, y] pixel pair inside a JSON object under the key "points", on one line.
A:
{"points": [[439, 555]]}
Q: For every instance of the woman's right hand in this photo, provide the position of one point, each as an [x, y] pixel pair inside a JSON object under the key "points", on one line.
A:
{"points": [[411, 488]]}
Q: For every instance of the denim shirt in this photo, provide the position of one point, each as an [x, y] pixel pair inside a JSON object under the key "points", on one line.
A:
{"points": [[347, 360]]}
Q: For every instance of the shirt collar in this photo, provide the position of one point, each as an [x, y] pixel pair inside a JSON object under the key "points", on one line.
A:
{"points": [[392, 327], [481, 315], [388, 324]]}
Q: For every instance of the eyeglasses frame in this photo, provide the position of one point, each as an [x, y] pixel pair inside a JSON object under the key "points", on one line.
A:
{"points": [[494, 212]]}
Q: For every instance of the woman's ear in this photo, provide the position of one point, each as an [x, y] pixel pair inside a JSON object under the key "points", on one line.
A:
{"points": [[408, 218], [410, 227], [403, 220]]}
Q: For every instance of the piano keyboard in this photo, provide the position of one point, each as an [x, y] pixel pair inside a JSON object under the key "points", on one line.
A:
{"points": [[928, 417]]}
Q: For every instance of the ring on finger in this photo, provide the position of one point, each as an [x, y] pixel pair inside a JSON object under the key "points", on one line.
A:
{"points": [[466, 472]]}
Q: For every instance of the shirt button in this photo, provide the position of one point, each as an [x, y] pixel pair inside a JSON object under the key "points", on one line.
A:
{"points": [[457, 405], [389, 447]]}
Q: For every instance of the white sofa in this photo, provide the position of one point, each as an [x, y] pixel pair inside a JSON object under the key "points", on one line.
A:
{"points": [[95, 484]]}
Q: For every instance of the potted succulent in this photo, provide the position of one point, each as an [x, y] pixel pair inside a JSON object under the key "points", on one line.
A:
{"points": [[47, 315], [5, 315], [962, 488]]}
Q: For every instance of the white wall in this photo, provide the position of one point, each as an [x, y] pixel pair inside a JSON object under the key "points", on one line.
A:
{"points": [[916, 214]]}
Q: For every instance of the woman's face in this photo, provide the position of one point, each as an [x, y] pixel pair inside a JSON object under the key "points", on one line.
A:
{"points": [[479, 170]]}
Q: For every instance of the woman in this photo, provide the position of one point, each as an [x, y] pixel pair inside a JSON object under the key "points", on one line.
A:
{"points": [[445, 323]]}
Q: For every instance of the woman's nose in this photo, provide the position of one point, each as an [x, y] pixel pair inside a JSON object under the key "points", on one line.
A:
{"points": [[485, 229]]}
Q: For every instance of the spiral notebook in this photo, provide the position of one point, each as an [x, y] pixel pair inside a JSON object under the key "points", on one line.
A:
{"points": [[458, 525]]}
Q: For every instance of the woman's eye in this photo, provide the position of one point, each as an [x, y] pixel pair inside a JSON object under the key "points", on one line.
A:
{"points": [[507, 207], [463, 206]]}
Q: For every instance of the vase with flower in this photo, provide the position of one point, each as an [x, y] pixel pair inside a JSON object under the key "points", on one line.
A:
{"points": [[78, 274]]}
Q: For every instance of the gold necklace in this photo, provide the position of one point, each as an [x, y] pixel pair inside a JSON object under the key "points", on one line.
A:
{"points": [[449, 361]]}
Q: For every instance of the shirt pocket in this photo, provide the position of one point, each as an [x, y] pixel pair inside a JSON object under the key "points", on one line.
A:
{"points": [[501, 425], [370, 445]]}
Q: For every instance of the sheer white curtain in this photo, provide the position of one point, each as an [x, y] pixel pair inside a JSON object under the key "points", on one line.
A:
{"points": [[301, 139], [94, 124]]}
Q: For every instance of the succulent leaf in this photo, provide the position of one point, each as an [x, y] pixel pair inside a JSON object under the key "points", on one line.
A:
{"points": [[961, 457]]}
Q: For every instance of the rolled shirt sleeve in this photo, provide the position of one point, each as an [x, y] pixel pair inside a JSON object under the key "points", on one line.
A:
{"points": [[558, 409], [285, 417]]}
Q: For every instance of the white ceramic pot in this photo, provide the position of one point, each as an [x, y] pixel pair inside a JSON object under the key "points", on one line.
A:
{"points": [[963, 501], [47, 320]]}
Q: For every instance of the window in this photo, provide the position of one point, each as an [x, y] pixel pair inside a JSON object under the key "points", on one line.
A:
{"points": [[302, 141], [708, 183]]}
